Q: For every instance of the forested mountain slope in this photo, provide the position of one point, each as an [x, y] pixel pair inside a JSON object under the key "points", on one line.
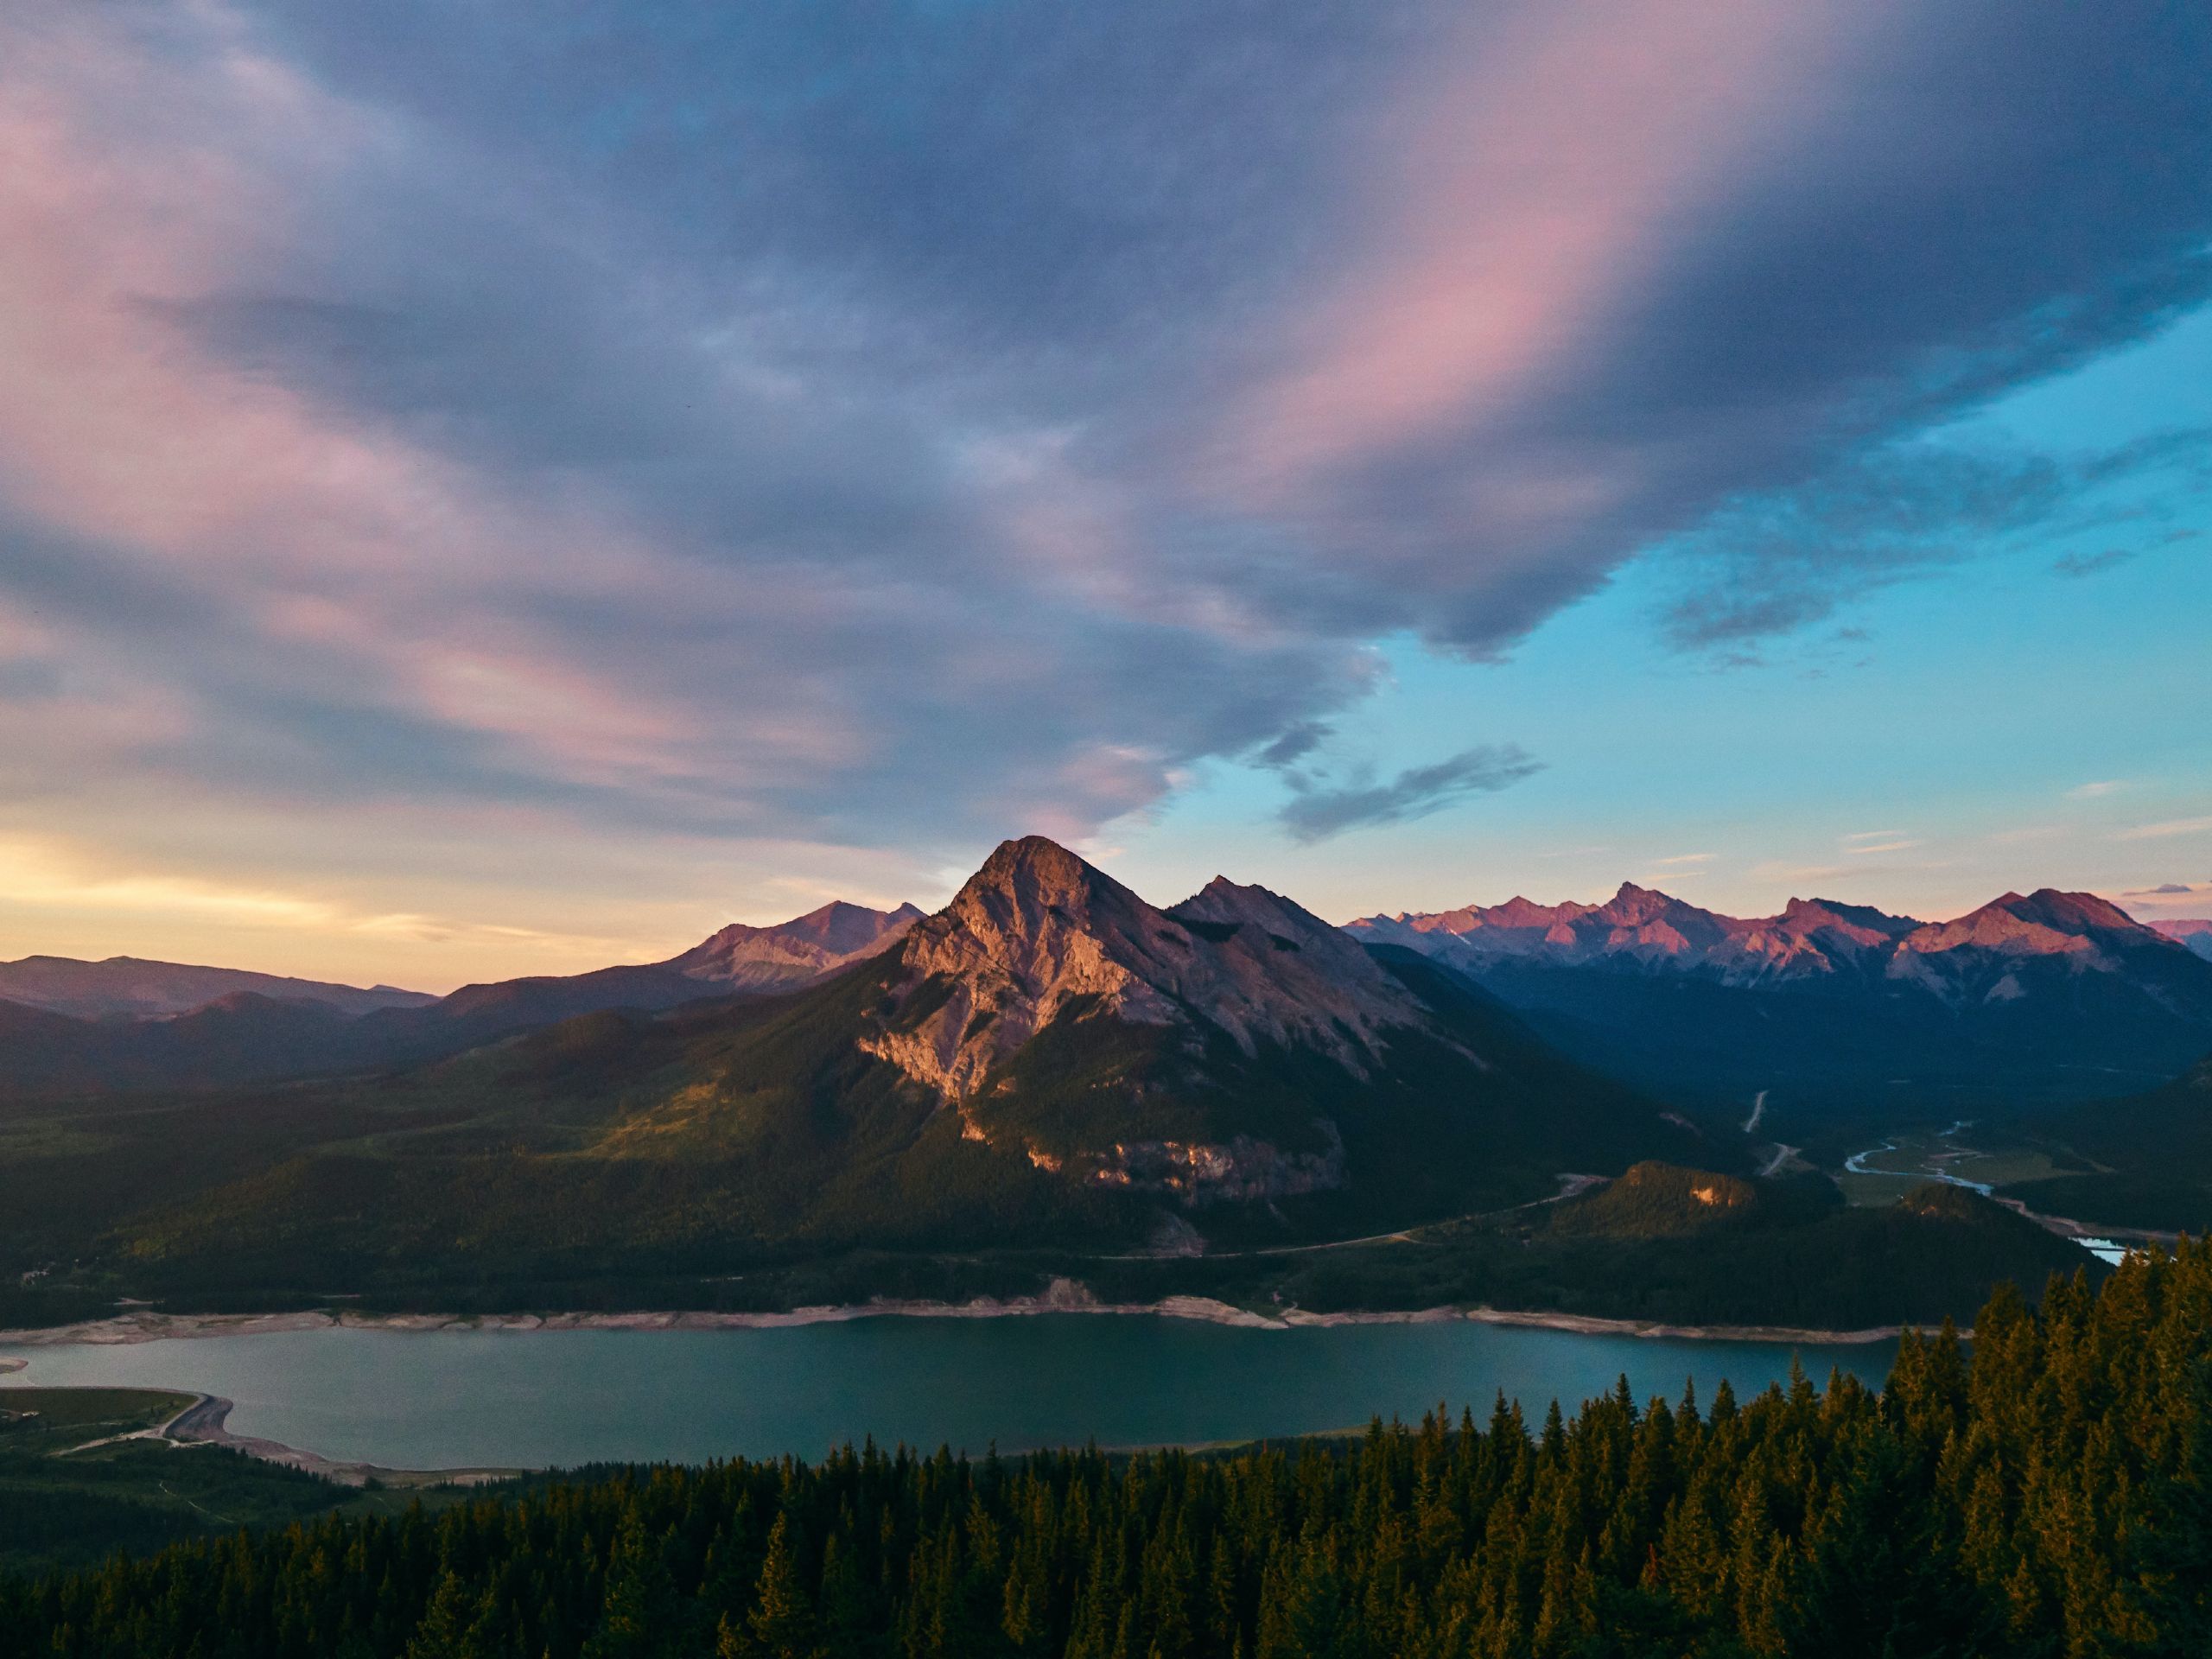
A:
{"points": [[2148, 1159]]}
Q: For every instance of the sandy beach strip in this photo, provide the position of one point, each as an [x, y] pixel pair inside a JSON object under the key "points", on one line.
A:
{"points": [[149, 1326]]}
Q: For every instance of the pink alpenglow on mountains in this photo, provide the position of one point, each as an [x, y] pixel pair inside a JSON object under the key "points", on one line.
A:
{"points": [[1038, 931], [1639, 927], [133, 987], [798, 952], [1971, 958]]}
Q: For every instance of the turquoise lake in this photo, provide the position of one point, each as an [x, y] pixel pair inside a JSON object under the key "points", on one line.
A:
{"points": [[454, 1399]]}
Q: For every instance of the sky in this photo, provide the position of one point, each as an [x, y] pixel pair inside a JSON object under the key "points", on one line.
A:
{"points": [[493, 488]]}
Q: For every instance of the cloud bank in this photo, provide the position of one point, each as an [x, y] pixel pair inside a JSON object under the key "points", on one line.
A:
{"points": [[827, 424]]}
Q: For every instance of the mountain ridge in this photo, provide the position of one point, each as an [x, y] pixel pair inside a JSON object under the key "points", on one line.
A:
{"points": [[138, 988], [786, 955], [225, 1041], [2046, 996], [1050, 1061]]}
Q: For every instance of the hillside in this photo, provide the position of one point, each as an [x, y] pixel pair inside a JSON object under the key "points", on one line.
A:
{"points": [[2152, 1156], [2195, 931], [1675, 1244]]}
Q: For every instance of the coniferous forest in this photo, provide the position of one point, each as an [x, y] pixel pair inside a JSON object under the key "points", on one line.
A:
{"points": [[2046, 1489]]}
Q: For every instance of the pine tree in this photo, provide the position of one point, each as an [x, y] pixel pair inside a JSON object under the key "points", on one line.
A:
{"points": [[2167, 1600], [459, 1623], [641, 1619], [1879, 1584], [781, 1620]]}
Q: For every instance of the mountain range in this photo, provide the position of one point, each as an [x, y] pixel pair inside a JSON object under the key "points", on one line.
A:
{"points": [[71, 1026], [132, 988], [1049, 1062], [1234, 1045], [2031, 998], [1049, 1069]]}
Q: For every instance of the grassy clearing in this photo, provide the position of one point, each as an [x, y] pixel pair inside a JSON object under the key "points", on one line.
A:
{"points": [[63, 1507], [45, 1421], [1884, 1177]]}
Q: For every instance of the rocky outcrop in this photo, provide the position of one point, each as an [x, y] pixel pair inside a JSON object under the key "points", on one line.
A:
{"points": [[1244, 1170]]}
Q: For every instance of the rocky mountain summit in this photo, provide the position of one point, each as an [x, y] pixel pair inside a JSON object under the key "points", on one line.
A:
{"points": [[791, 954], [1998, 952], [1038, 933]]}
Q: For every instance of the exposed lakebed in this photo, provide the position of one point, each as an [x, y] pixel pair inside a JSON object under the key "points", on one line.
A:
{"points": [[461, 1398]]}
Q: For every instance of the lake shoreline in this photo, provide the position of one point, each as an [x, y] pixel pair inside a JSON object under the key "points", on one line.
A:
{"points": [[206, 1422], [140, 1327]]}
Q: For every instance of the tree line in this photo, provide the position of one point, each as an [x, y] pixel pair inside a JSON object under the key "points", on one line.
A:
{"points": [[2047, 1493]]}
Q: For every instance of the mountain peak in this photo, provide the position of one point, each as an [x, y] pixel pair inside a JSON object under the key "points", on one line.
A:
{"points": [[789, 954], [2045, 922], [1038, 858], [2057, 908], [1028, 884], [1038, 933], [841, 926], [1979, 956], [1285, 925]]}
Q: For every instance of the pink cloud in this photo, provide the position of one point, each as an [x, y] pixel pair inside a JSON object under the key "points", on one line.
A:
{"points": [[1529, 189], [396, 568]]}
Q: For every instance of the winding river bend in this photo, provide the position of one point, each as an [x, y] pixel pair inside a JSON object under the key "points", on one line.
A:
{"points": [[452, 1399]]}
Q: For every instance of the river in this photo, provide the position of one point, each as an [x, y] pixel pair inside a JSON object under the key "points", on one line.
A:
{"points": [[469, 1398]]}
